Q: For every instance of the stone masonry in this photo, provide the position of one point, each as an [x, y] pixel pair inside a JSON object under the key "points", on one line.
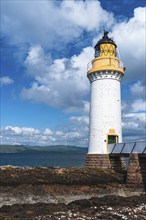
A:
{"points": [[97, 161], [136, 173], [118, 163]]}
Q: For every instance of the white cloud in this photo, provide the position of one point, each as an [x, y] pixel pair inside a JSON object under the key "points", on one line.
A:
{"points": [[48, 132], [33, 136], [25, 135], [138, 90], [79, 12], [51, 23], [6, 80], [81, 120], [130, 38], [136, 101], [134, 114], [61, 84], [22, 131], [74, 133], [139, 105], [59, 133], [139, 117], [134, 126]]}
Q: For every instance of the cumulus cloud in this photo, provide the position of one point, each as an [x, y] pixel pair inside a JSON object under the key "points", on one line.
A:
{"points": [[78, 12], [82, 121], [138, 89], [136, 101], [6, 80], [134, 126], [74, 133], [134, 113], [33, 136], [61, 83], [48, 132], [130, 38], [139, 105], [51, 23], [22, 131]]}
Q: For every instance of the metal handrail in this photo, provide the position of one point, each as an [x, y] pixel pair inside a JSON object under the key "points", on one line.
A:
{"points": [[89, 66], [120, 63]]}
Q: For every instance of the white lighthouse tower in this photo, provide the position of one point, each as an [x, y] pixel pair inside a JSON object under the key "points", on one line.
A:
{"points": [[105, 73]]}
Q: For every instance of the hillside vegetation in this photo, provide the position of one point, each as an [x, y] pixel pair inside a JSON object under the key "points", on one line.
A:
{"points": [[52, 148]]}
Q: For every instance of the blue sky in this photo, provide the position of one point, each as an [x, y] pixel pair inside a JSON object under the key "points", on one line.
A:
{"points": [[45, 49]]}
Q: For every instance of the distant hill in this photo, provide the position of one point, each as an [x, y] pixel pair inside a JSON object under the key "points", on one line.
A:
{"points": [[52, 148]]}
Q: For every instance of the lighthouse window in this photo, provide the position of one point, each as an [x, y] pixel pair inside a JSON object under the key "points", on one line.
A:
{"points": [[97, 53]]}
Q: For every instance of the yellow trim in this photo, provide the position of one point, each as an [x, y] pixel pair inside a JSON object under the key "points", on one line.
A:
{"points": [[107, 60], [105, 63], [111, 131]]}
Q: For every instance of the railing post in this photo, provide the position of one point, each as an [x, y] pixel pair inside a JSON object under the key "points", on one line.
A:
{"points": [[122, 148]]}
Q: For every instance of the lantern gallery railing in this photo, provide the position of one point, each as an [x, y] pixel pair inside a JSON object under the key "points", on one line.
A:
{"points": [[127, 148], [120, 63], [89, 66]]}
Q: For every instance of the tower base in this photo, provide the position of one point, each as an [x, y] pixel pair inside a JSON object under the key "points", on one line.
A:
{"points": [[97, 161]]}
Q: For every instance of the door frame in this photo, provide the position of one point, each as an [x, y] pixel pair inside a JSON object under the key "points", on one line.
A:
{"points": [[110, 134]]}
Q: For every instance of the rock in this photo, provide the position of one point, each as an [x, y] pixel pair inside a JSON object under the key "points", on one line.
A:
{"points": [[67, 193]]}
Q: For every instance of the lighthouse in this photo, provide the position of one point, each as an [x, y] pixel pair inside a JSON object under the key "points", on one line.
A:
{"points": [[104, 72]]}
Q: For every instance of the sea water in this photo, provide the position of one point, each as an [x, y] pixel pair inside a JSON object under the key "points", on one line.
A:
{"points": [[55, 159], [40, 159]]}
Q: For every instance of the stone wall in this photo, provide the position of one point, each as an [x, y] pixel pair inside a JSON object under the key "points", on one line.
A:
{"points": [[97, 161], [136, 173], [118, 163]]}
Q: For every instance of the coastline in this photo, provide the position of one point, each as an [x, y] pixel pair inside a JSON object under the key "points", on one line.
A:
{"points": [[29, 192]]}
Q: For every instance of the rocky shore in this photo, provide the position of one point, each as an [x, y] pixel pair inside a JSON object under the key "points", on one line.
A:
{"points": [[68, 193]]}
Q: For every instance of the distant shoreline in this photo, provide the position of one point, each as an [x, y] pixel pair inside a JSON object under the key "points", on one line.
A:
{"points": [[58, 157], [50, 148]]}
